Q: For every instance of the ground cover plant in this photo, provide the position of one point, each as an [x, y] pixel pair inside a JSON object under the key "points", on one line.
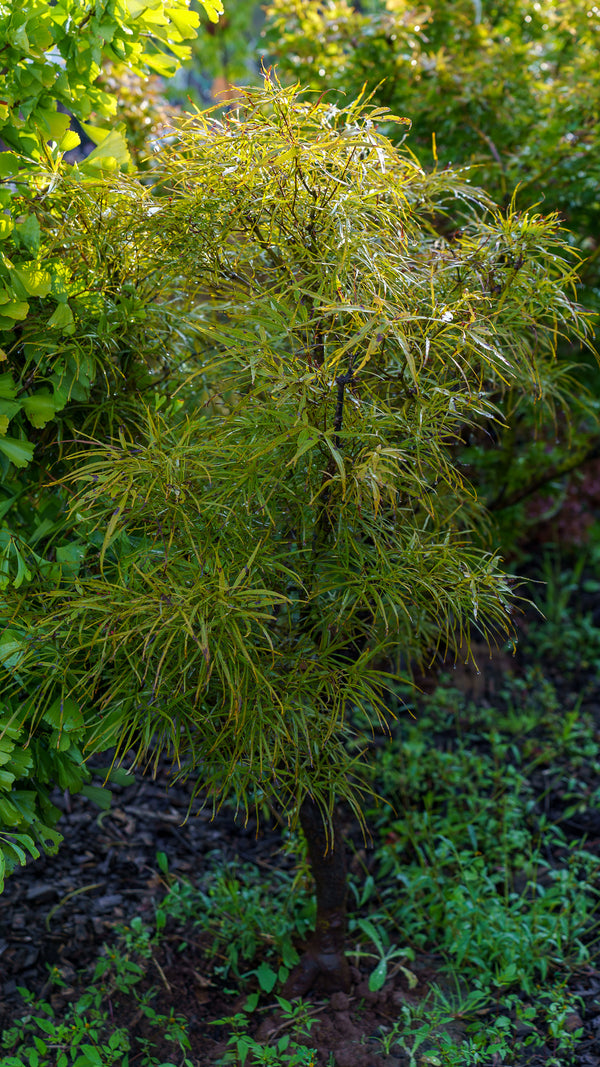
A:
{"points": [[474, 915]]}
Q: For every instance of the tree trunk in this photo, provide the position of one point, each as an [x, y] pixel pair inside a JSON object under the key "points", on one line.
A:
{"points": [[324, 966]]}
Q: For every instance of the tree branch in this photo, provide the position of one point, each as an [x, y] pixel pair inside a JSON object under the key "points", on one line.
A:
{"points": [[556, 470]]}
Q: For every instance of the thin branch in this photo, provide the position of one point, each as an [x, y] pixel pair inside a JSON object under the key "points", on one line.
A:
{"points": [[341, 381], [556, 470]]}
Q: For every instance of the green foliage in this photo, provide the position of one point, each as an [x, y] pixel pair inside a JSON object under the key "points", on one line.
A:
{"points": [[284, 1051], [511, 92], [422, 1032], [86, 1036], [469, 849], [296, 517], [66, 348], [511, 89], [53, 55], [53, 58], [246, 918], [469, 854]]}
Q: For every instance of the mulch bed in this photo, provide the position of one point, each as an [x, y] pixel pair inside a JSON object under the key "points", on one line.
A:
{"points": [[60, 910]]}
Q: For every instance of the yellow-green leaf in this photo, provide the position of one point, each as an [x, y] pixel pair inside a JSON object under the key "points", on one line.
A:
{"points": [[36, 282], [213, 9], [53, 123], [15, 309], [110, 153], [69, 140], [62, 317]]}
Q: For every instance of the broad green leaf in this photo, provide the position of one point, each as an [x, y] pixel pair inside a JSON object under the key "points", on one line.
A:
{"points": [[97, 134], [26, 842], [378, 976], [163, 65], [39, 408], [8, 389], [62, 318], [187, 22], [18, 38], [12, 646], [267, 977], [100, 796], [9, 816], [111, 152], [118, 776], [18, 452], [8, 409], [69, 140], [64, 714], [53, 124], [9, 164], [28, 233], [49, 838], [93, 1057], [213, 9], [15, 309]]}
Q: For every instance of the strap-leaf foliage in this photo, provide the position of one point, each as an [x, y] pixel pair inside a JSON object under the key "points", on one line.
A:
{"points": [[280, 528]]}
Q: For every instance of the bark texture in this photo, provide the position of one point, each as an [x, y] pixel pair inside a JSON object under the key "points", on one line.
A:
{"points": [[324, 967]]}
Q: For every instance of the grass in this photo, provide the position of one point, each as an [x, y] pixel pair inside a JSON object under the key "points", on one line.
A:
{"points": [[466, 863]]}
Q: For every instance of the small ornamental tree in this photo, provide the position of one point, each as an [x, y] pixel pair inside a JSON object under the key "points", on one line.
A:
{"points": [[273, 542]]}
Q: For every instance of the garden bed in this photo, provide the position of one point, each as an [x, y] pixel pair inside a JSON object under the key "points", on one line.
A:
{"points": [[495, 840]]}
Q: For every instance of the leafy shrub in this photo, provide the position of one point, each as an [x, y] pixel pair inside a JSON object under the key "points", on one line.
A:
{"points": [[256, 548]]}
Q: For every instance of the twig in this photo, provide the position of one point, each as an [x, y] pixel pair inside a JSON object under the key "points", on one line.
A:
{"points": [[162, 974], [73, 893], [162, 815]]}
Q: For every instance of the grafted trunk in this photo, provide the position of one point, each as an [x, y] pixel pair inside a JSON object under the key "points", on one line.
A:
{"points": [[324, 966]]}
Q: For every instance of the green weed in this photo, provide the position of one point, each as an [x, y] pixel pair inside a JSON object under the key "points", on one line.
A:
{"points": [[87, 1036], [284, 1049], [245, 914], [429, 1029]]}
